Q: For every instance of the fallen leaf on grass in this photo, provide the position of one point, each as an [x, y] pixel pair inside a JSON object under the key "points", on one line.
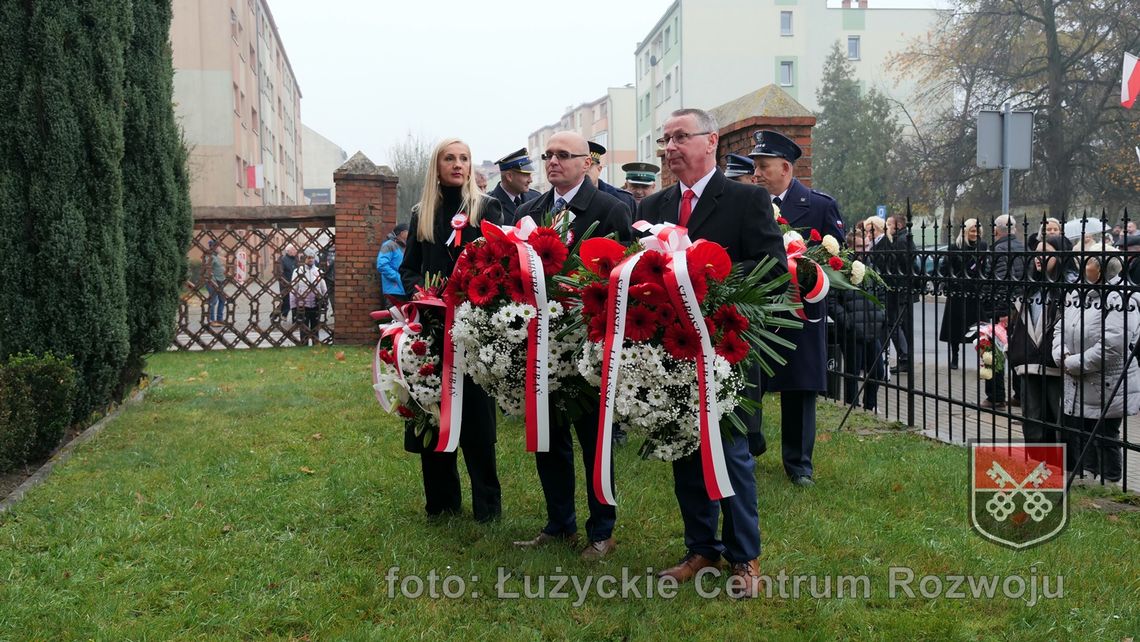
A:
{"points": [[203, 374], [896, 488], [1113, 518], [139, 499], [191, 379], [261, 371], [316, 436], [307, 470], [824, 437], [340, 356], [227, 528], [199, 505]]}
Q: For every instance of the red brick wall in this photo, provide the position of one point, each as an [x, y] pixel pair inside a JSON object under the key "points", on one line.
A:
{"points": [[365, 214], [736, 138]]}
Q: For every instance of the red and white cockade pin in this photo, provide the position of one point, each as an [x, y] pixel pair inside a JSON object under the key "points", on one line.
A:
{"points": [[458, 222]]}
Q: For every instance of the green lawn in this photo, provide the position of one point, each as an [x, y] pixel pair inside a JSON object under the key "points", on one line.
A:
{"points": [[263, 494]]}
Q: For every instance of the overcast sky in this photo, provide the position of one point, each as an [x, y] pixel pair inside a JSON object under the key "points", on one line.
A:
{"points": [[487, 71]]}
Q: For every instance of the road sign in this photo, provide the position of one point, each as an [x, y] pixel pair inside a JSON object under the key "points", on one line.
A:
{"points": [[881, 211], [1020, 149]]}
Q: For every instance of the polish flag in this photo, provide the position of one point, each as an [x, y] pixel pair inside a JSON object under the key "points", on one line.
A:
{"points": [[1130, 81], [255, 176]]}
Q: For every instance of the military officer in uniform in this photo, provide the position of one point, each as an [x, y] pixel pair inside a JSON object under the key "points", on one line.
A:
{"points": [[514, 184], [640, 179], [595, 172], [739, 168], [805, 374]]}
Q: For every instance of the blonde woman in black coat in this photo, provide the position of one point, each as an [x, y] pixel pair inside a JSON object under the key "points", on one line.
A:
{"points": [[963, 262], [449, 192]]}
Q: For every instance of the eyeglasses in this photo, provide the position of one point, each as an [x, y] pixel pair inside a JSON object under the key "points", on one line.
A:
{"points": [[680, 138], [561, 155]]}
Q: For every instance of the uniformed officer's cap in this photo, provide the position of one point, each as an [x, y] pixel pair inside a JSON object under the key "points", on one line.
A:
{"points": [[641, 173], [775, 144], [597, 151], [737, 165], [518, 161]]}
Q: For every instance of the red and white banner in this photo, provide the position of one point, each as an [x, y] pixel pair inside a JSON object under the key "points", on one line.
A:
{"points": [[537, 407], [1130, 81], [255, 176], [795, 247], [451, 396], [405, 323], [671, 240], [241, 266]]}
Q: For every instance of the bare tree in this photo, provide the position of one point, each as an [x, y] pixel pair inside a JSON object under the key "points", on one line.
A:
{"points": [[409, 159]]}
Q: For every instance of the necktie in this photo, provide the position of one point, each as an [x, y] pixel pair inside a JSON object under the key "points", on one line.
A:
{"points": [[518, 201], [776, 201], [559, 205], [686, 207]]}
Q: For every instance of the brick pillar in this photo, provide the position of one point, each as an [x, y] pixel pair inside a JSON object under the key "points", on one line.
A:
{"points": [[365, 214]]}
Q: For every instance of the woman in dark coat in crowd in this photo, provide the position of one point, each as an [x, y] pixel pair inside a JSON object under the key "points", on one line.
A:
{"points": [[451, 198], [964, 261]]}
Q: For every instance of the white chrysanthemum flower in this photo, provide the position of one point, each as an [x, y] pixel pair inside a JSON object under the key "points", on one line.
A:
{"points": [[985, 373], [858, 271], [988, 357], [487, 354], [830, 244], [554, 308]]}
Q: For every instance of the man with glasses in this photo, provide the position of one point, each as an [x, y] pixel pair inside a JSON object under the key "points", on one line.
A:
{"points": [[574, 201], [805, 374], [514, 184], [738, 217]]}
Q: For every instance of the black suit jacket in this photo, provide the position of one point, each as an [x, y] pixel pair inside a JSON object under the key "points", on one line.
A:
{"points": [[588, 205], [437, 257], [737, 216], [509, 208]]}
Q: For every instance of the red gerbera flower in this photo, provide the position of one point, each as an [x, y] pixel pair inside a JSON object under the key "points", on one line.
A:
{"points": [[596, 329], [515, 290], [551, 251], [594, 298], [386, 356], [666, 314], [711, 326], [640, 323], [495, 272], [729, 320], [700, 285], [682, 342], [544, 233], [405, 411], [482, 290], [482, 258], [651, 268], [814, 236], [427, 370], [600, 255], [836, 263], [419, 348], [709, 258], [732, 348], [781, 220], [648, 293]]}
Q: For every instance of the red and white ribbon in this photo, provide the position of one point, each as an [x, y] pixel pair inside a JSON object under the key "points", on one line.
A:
{"points": [[796, 248], [673, 241], [537, 406], [458, 222], [451, 394], [404, 323]]}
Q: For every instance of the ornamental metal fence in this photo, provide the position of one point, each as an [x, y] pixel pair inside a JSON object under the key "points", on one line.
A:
{"points": [[258, 304], [1042, 282]]}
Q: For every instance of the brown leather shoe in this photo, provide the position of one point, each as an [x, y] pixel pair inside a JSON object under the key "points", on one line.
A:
{"points": [[687, 567], [745, 580], [543, 538], [598, 550]]}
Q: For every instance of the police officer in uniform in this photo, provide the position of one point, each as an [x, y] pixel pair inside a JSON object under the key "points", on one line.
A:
{"points": [[805, 374], [640, 179], [595, 172], [739, 168], [514, 184]]}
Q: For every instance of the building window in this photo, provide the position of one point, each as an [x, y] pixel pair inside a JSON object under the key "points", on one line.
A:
{"points": [[675, 30], [233, 25], [853, 48], [668, 38], [255, 126], [237, 100], [668, 85], [660, 95], [252, 58], [239, 174], [786, 73], [785, 23]]}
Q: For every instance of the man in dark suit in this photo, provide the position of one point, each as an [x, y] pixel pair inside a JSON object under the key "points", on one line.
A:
{"points": [[574, 201], [805, 374], [514, 184], [738, 217], [597, 152]]}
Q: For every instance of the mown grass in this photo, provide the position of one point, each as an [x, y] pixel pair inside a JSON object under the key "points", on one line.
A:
{"points": [[263, 494]]}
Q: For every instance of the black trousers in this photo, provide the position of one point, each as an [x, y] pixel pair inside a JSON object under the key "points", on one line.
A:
{"points": [[556, 474], [797, 431], [1103, 458], [477, 441]]}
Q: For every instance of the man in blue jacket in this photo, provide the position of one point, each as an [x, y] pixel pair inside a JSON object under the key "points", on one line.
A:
{"points": [[388, 262]]}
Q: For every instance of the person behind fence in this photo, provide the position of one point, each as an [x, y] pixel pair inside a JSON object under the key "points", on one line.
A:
{"points": [[388, 261], [288, 265], [904, 292], [1033, 319], [1007, 269], [327, 263], [1049, 227], [307, 293], [1091, 344], [961, 267], [214, 276], [451, 201], [860, 323]]}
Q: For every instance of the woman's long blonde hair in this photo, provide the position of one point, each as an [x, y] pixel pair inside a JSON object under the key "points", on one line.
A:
{"points": [[966, 225], [429, 200]]}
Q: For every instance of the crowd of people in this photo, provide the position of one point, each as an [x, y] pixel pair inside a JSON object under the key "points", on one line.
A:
{"points": [[1064, 297]]}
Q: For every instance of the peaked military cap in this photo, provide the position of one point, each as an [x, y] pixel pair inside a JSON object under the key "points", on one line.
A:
{"points": [[775, 144], [738, 165], [640, 173], [517, 161]]}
